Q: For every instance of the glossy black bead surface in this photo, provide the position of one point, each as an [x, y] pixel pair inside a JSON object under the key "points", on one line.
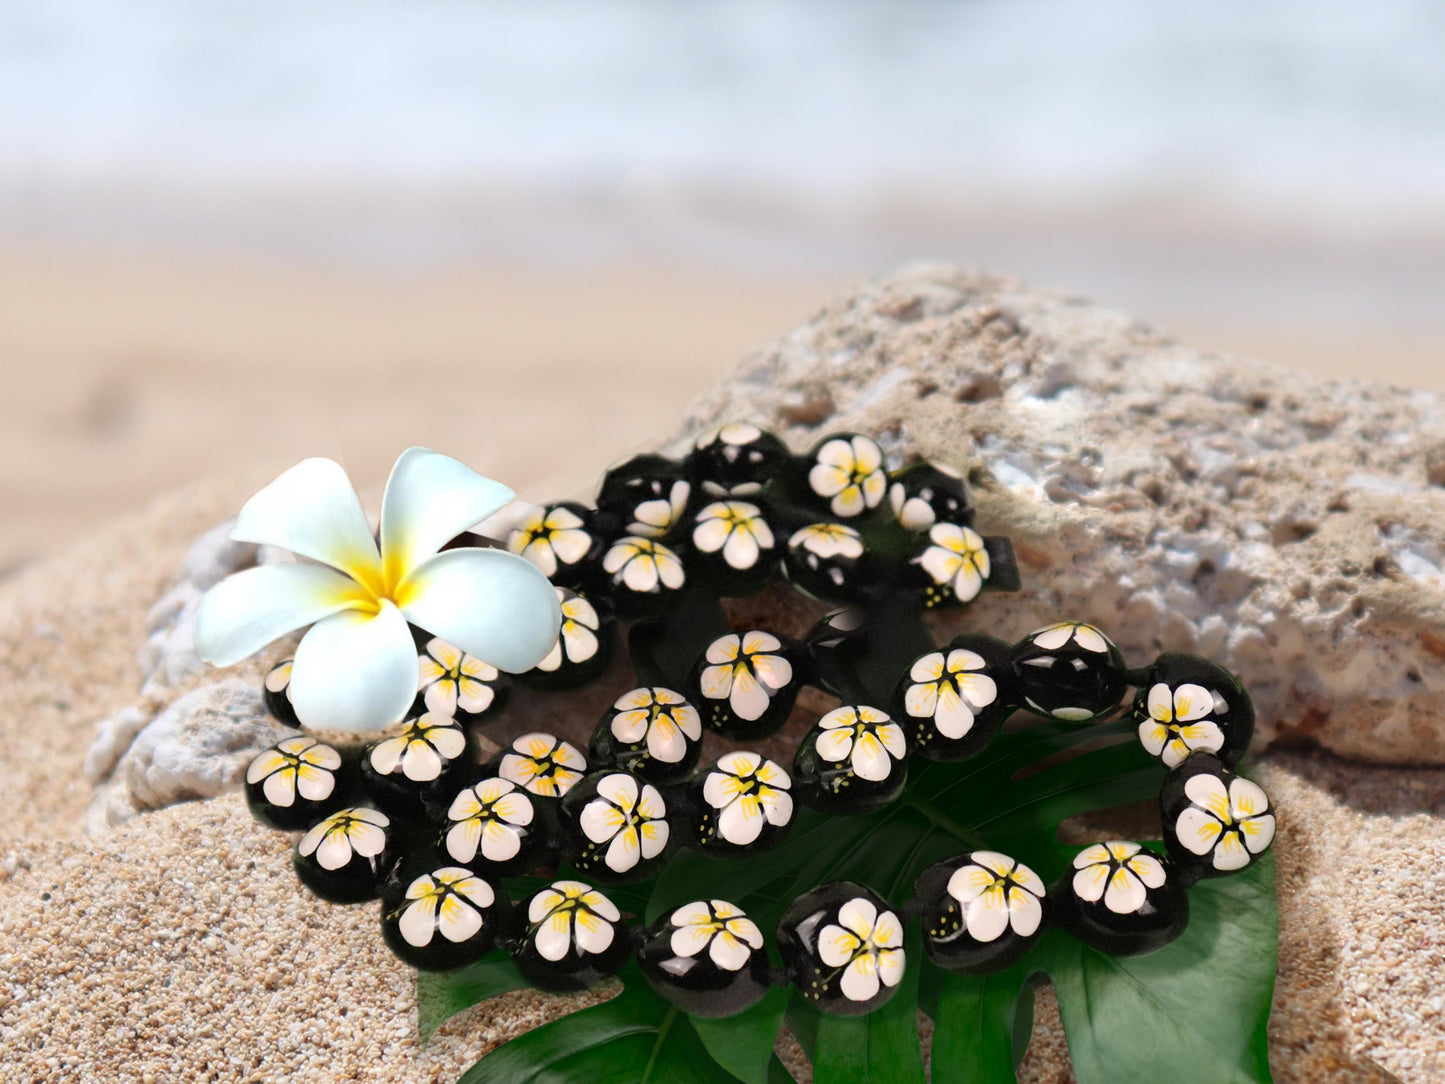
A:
{"points": [[492, 826], [707, 958], [1069, 670], [830, 561], [569, 936], [343, 857], [1215, 822], [927, 493], [1122, 899], [981, 911], [276, 694], [645, 496], [843, 948], [1190, 705], [614, 828], [562, 540], [435, 919], [455, 685], [650, 731], [855, 760], [954, 700], [295, 783], [843, 476], [746, 683], [734, 549], [741, 805], [585, 644], [736, 460], [644, 577], [426, 762]]}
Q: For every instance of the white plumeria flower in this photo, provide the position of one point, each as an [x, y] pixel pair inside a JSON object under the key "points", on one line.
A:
{"points": [[449, 901], [541, 764], [296, 766], [849, 470], [549, 537], [489, 817], [1234, 823], [742, 668], [356, 668], [864, 736], [995, 893], [568, 912], [1052, 637], [662, 717], [346, 832], [1177, 725], [867, 944], [828, 540], [956, 555], [577, 641], [1118, 872], [448, 679], [629, 818], [654, 518], [422, 749], [737, 528], [644, 564], [746, 790], [729, 936], [948, 689]]}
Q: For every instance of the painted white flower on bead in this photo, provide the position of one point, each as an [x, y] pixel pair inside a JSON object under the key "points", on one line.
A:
{"points": [[956, 556], [489, 817], [422, 749], [278, 678], [541, 764], [629, 818], [745, 791], [296, 766], [345, 833], [1117, 872], [996, 893], [734, 438], [570, 912], [550, 537], [867, 945], [742, 669], [1234, 822], [1177, 723], [1052, 637], [849, 471], [949, 689], [865, 737], [829, 540], [644, 564], [654, 518], [577, 641], [449, 901], [356, 668], [737, 528], [448, 679], [659, 716], [728, 935]]}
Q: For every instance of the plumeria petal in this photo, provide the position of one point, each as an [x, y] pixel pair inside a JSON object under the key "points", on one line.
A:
{"points": [[860, 916], [246, 611], [691, 939], [774, 671], [835, 745], [280, 788], [593, 933], [624, 851], [953, 717], [654, 835], [1192, 702], [1053, 637], [860, 980], [1258, 832], [355, 671], [742, 821], [1230, 854], [988, 915], [1025, 912], [777, 805], [728, 952], [1153, 735], [313, 783], [420, 763], [500, 842], [1125, 893], [430, 499], [749, 699], [418, 921], [458, 921], [716, 681], [554, 936], [489, 603], [836, 945], [1148, 869], [1089, 882], [741, 550], [1197, 831]]}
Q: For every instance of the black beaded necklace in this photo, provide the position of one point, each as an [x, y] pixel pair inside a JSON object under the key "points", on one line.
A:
{"points": [[417, 820]]}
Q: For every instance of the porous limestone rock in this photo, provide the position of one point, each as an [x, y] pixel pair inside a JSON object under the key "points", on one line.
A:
{"points": [[1289, 526]]}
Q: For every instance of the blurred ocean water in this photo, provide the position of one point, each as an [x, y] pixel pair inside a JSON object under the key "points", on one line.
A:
{"points": [[737, 117]]}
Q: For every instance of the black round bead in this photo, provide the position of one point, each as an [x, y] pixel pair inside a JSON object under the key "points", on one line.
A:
{"points": [[344, 857], [493, 827], [981, 912], [741, 805], [644, 577], [855, 760], [296, 782], [435, 918], [954, 700], [569, 936], [614, 828], [455, 685], [707, 958], [1190, 705], [1215, 822], [1122, 899], [413, 770], [1069, 671], [830, 561], [843, 948], [650, 731], [584, 648], [746, 683], [927, 493], [645, 496], [736, 460], [950, 563], [734, 549], [563, 540], [843, 476], [276, 694]]}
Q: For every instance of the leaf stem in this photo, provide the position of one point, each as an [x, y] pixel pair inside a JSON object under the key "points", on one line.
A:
{"points": [[662, 1031], [942, 820]]}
